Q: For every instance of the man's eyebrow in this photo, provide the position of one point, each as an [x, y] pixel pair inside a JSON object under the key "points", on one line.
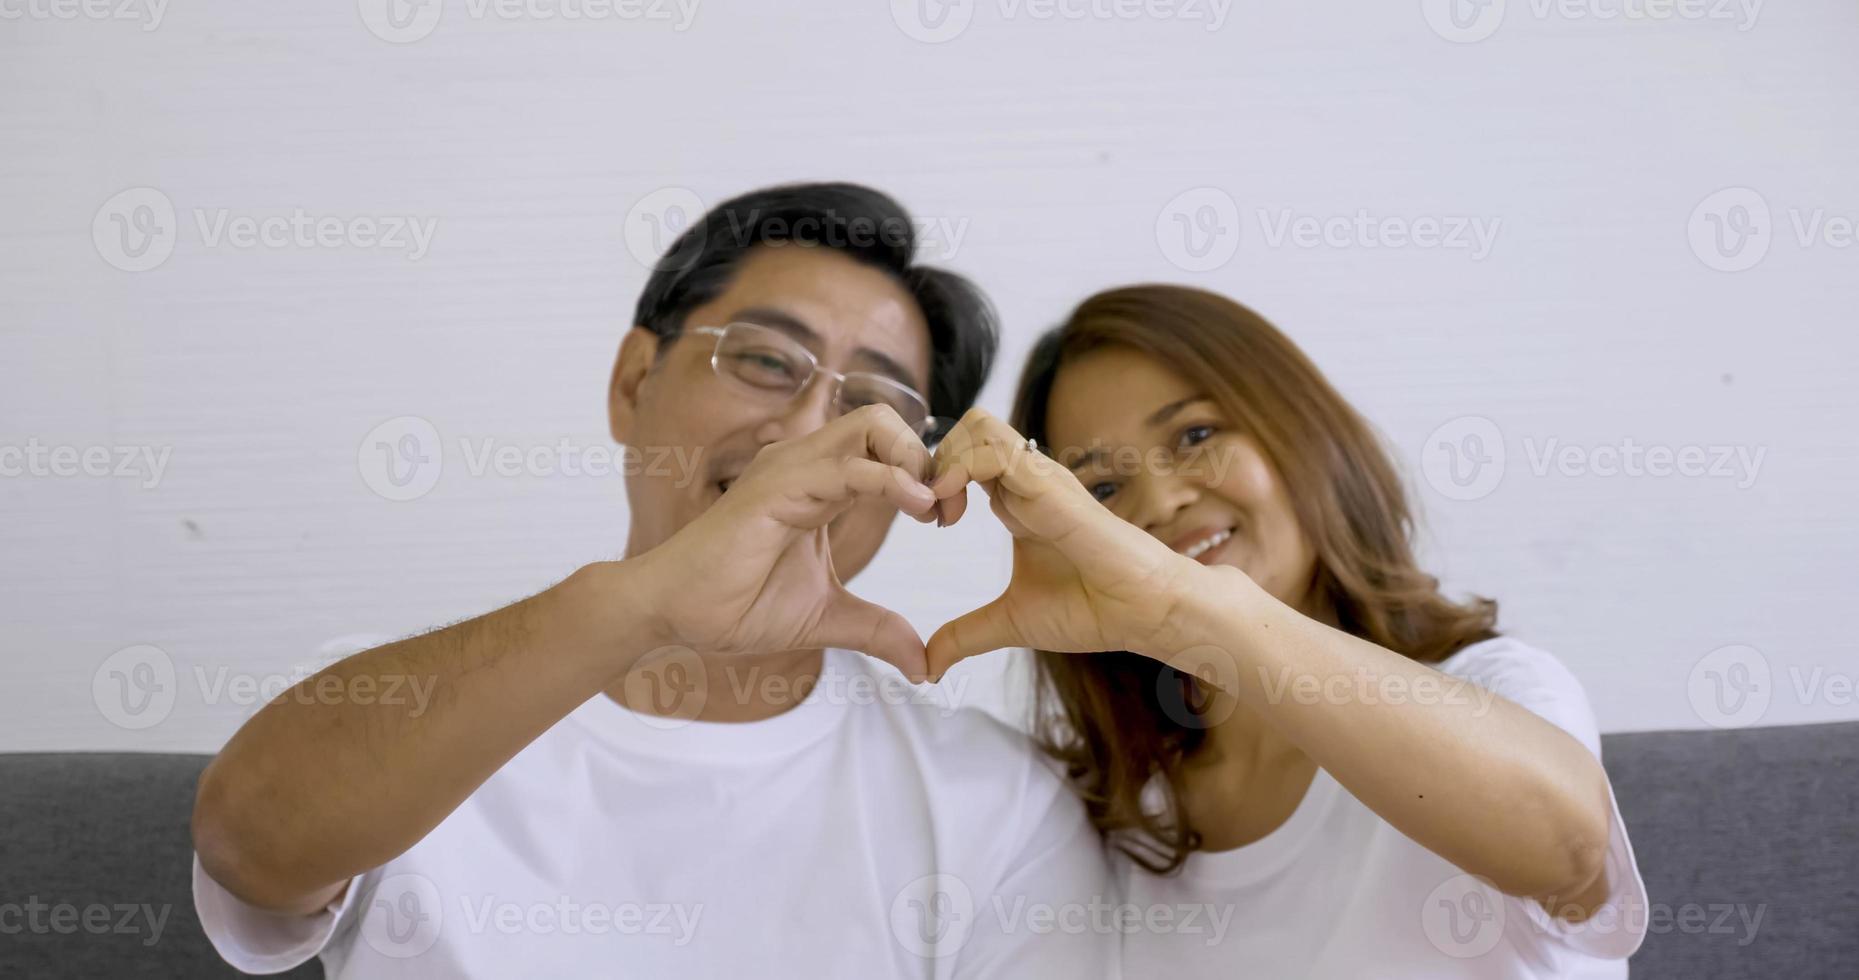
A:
{"points": [[1159, 417], [891, 368], [796, 328], [787, 323]]}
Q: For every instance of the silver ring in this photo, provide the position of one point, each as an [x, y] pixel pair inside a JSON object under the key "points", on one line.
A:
{"points": [[1032, 445]]}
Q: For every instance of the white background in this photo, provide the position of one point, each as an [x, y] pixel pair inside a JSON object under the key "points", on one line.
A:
{"points": [[1059, 147]]}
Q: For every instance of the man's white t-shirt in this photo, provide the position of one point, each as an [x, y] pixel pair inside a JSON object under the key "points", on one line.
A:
{"points": [[1336, 892], [863, 833]]}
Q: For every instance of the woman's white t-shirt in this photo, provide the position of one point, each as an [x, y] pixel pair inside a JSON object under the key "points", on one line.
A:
{"points": [[1337, 892]]}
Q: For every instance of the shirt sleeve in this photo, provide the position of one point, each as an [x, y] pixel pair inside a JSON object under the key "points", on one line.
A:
{"points": [[261, 941], [1540, 683], [1049, 914], [256, 940]]}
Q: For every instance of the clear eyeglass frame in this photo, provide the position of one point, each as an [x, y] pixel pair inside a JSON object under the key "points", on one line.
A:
{"points": [[909, 404]]}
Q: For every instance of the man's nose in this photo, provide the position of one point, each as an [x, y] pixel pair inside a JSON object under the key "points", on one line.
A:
{"points": [[807, 411]]}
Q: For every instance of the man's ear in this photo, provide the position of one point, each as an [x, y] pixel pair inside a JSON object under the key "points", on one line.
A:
{"points": [[638, 352]]}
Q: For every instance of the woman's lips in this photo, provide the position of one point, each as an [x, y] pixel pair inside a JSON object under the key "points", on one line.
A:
{"points": [[1204, 546]]}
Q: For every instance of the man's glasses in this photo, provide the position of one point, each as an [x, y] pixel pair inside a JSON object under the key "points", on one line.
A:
{"points": [[776, 366]]}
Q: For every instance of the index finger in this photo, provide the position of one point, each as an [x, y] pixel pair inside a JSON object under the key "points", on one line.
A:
{"points": [[878, 432], [952, 490], [983, 448]]}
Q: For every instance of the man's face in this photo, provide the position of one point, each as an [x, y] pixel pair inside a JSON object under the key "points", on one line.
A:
{"points": [[851, 316]]}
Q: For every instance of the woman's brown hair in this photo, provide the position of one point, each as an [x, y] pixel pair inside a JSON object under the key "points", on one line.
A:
{"points": [[1119, 722]]}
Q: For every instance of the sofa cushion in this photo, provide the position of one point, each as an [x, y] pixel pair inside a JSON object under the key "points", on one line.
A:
{"points": [[1748, 841], [1744, 828], [96, 856]]}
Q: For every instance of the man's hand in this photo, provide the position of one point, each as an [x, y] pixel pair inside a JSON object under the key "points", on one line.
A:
{"points": [[755, 573]]}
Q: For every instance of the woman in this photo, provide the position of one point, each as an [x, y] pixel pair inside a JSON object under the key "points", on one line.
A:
{"points": [[1311, 762]]}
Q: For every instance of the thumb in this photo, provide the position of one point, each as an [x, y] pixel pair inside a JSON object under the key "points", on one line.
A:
{"points": [[851, 623], [971, 634]]}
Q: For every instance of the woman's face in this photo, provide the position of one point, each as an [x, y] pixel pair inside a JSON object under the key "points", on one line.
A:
{"points": [[1160, 453]]}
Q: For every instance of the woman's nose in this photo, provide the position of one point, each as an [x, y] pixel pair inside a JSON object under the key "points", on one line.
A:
{"points": [[1159, 498]]}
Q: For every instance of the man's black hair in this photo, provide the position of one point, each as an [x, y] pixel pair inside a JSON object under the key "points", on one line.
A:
{"points": [[864, 224]]}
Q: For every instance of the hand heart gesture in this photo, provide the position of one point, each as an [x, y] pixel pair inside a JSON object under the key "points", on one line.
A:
{"points": [[1084, 580]]}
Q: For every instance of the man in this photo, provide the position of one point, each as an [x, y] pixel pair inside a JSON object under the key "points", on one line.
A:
{"points": [[620, 775]]}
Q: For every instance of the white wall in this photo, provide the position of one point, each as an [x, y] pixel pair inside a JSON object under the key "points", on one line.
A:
{"points": [[1058, 148]]}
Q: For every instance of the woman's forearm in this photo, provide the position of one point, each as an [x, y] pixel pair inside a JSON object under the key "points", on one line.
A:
{"points": [[1475, 778]]}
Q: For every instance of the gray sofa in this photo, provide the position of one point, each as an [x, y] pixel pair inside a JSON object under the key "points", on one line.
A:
{"points": [[1727, 826]]}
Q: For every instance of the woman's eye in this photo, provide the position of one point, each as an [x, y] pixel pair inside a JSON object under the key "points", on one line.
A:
{"points": [[1103, 491], [1194, 435]]}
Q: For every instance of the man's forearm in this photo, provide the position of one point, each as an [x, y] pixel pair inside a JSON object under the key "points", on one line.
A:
{"points": [[315, 789]]}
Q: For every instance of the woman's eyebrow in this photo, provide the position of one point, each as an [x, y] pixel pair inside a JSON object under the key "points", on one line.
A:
{"points": [[1159, 417], [1088, 459], [1166, 412]]}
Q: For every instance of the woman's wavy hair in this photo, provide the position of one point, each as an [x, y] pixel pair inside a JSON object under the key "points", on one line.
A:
{"points": [[1120, 723]]}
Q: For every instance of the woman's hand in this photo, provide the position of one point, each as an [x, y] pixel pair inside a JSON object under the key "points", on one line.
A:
{"points": [[1437, 768], [1084, 580]]}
